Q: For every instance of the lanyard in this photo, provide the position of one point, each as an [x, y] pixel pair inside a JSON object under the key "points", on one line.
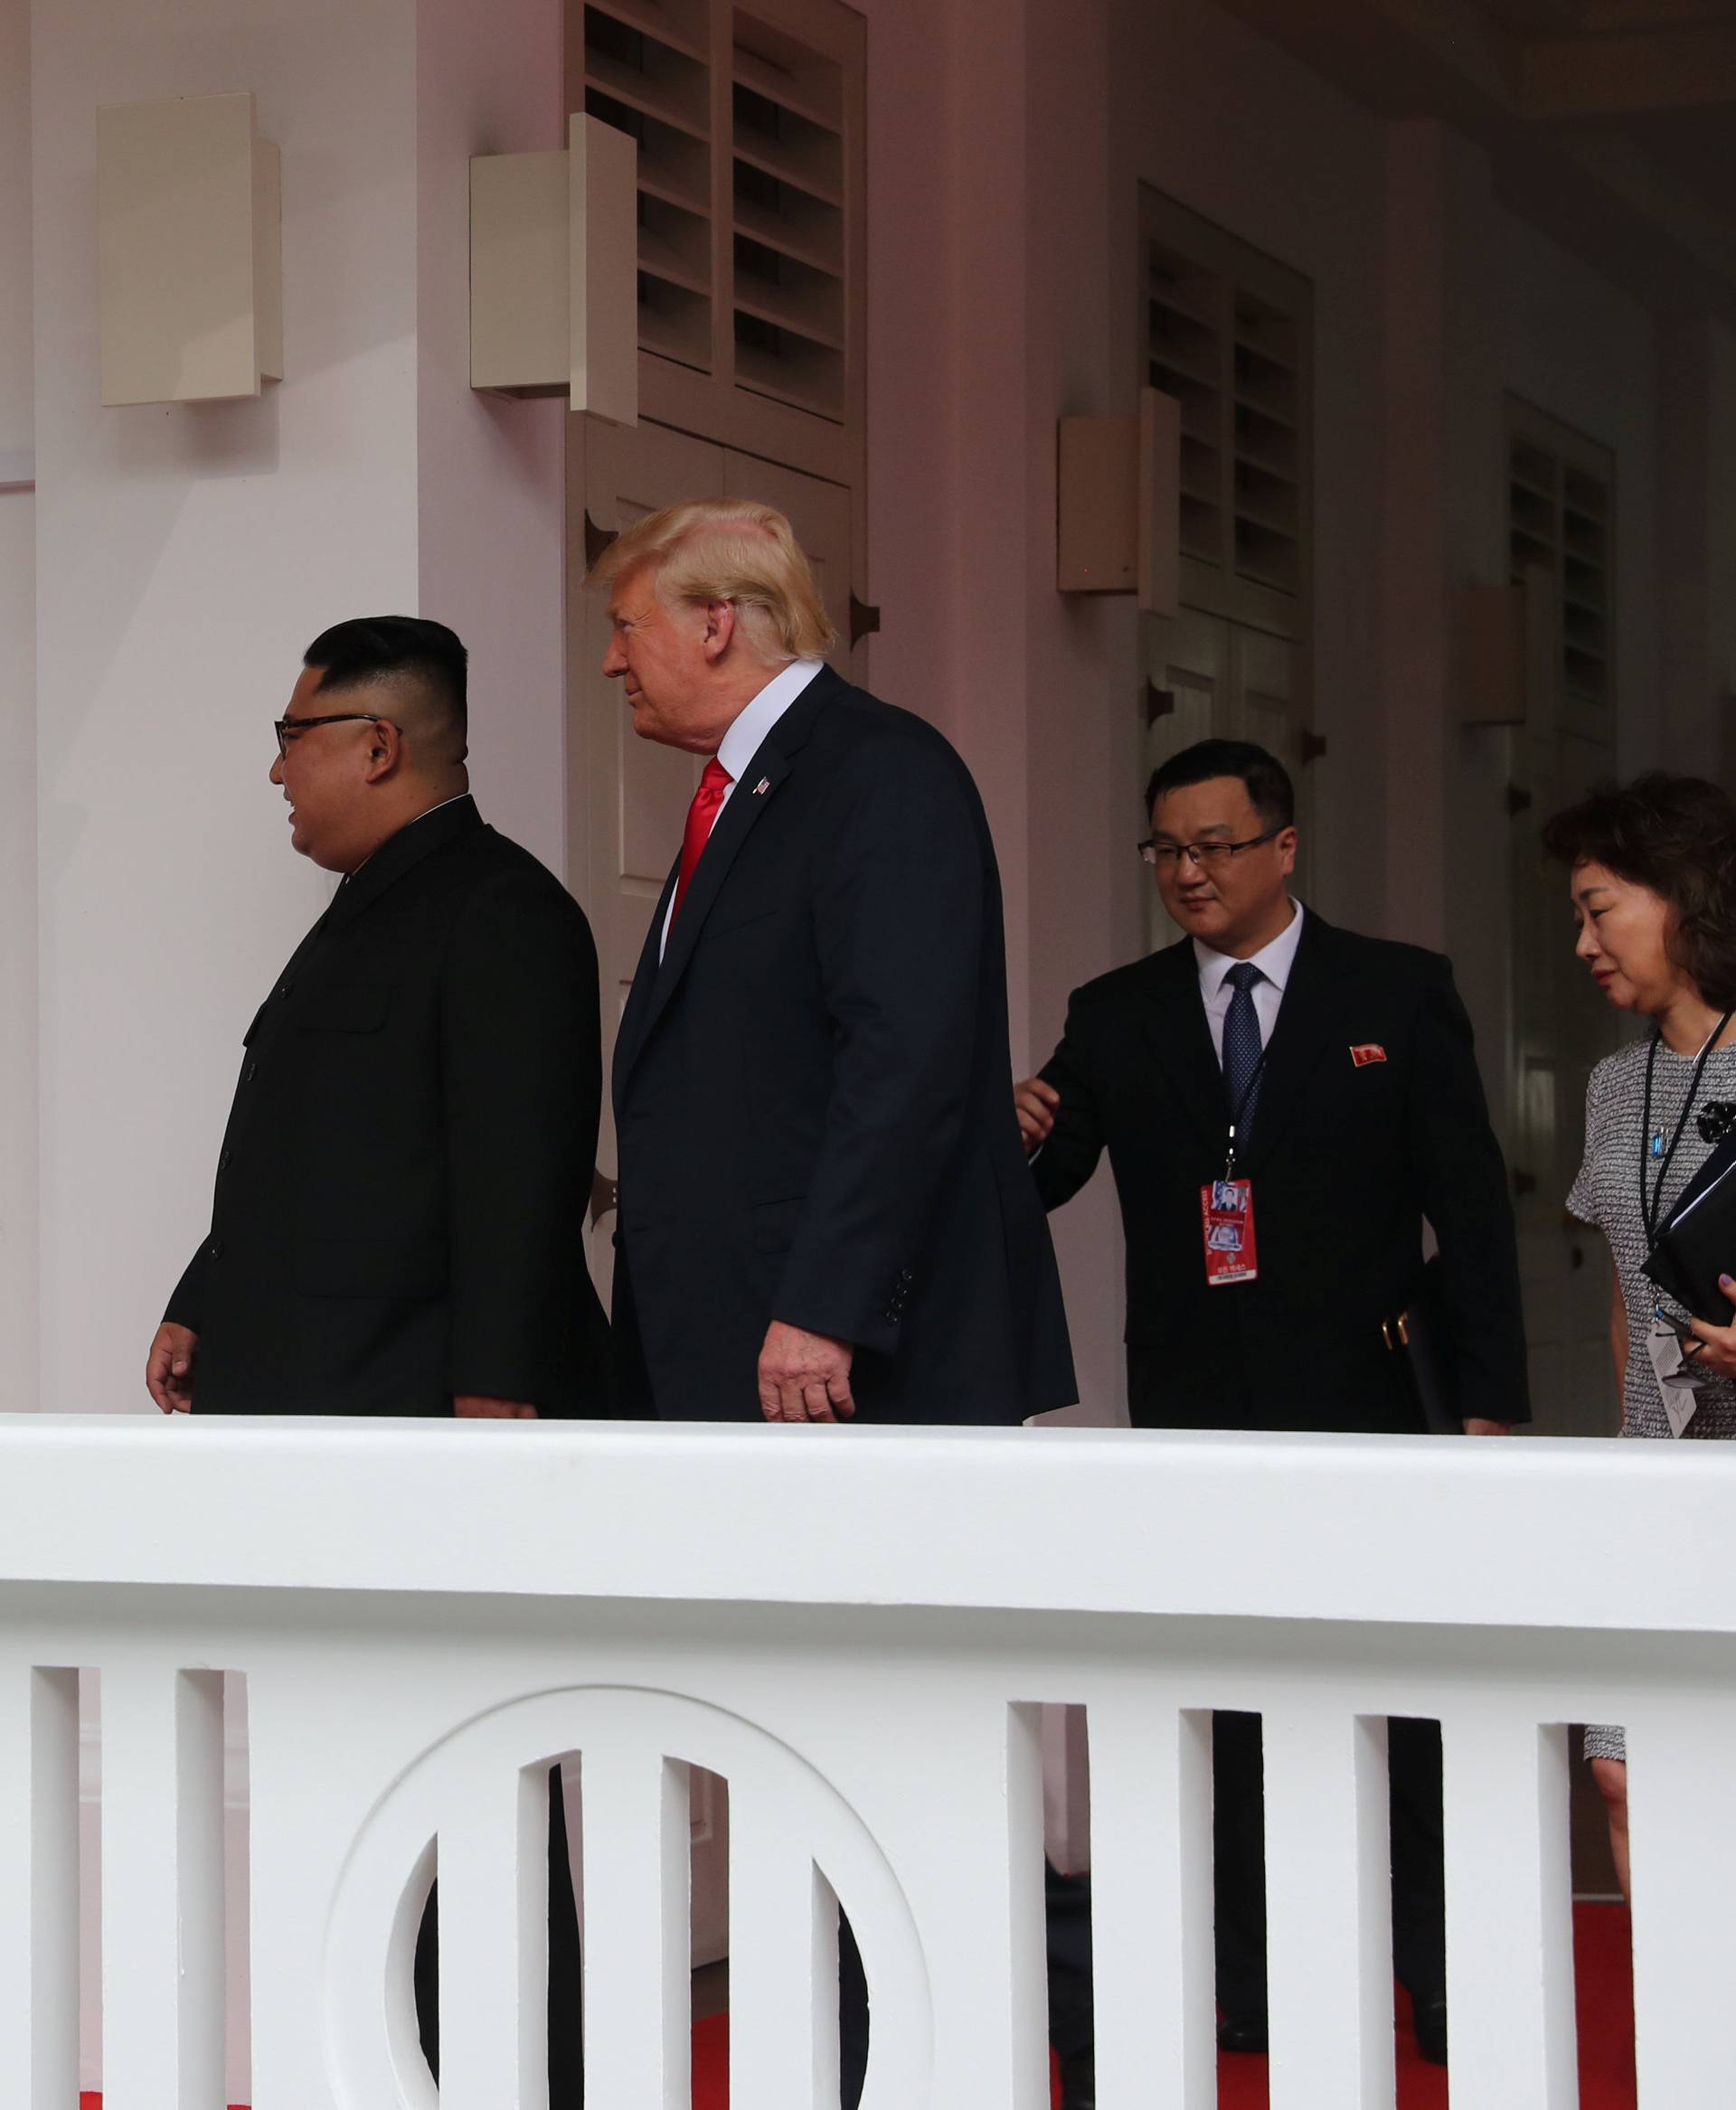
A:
{"points": [[1241, 1106], [1651, 1204]]}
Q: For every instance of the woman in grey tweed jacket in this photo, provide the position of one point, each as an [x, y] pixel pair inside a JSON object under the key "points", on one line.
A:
{"points": [[1653, 890]]}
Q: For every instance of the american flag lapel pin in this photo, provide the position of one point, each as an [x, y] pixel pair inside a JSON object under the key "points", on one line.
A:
{"points": [[763, 786], [1366, 1053]]}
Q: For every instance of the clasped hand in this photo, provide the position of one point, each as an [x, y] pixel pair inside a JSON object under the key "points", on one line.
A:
{"points": [[1714, 1347]]}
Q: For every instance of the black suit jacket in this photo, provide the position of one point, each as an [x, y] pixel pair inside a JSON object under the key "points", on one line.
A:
{"points": [[1346, 1162], [811, 1094], [399, 1206]]}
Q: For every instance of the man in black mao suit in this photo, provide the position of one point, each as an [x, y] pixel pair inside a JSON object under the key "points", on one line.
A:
{"points": [[398, 1224], [824, 1206], [1361, 1114]]}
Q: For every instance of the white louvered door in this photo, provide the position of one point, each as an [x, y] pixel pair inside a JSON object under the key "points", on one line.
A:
{"points": [[1560, 523]]}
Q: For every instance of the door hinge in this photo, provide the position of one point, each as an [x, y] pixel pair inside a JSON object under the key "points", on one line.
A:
{"points": [[1160, 702], [865, 621], [596, 539], [1314, 745], [1518, 800], [1523, 1182]]}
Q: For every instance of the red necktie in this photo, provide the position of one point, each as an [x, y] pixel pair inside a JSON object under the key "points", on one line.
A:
{"points": [[700, 816]]}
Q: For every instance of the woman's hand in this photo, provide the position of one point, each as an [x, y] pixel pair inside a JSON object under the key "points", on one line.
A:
{"points": [[1714, 1349]]}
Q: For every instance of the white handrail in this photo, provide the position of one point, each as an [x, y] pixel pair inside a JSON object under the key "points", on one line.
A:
{"points": [[855, 1627]]}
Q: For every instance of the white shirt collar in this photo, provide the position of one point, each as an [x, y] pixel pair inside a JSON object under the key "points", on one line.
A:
{"points": [[743, 740], [1274, 961]]}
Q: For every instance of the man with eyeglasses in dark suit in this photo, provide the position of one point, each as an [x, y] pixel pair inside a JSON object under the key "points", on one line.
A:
{"points": [[1284, 1104]]}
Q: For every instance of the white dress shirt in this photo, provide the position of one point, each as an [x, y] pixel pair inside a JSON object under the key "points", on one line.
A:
{"points": [[1274, 961], [745, 739]]}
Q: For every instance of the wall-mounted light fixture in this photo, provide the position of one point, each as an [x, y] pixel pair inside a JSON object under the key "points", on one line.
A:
{"points": [[554, 272], [1118, 505], [1506, 659], [189, 251]]}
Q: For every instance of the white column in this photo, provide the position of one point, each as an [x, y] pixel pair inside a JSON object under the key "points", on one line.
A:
{"points": [[39, 1887], [783, 1961], [18, 1372], [187, 554], [162, 1887], [1683, 1846], [981, 1917], [1328, 1906], [494, 1917], [639, 2042], [1509, 1913], [1151, 1902]]}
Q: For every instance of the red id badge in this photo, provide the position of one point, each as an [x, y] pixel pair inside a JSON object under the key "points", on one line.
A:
{"points": [[1227, 1207]]}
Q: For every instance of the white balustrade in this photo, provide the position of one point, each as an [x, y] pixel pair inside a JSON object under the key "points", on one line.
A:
{"points": [[856, 1629]]}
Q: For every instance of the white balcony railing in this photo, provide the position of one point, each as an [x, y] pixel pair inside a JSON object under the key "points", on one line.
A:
{"points": [[855, 1628]]}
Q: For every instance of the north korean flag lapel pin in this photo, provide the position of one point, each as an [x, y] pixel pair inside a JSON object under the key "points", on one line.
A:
{"points": [[1367, 1051], [764, 785]]}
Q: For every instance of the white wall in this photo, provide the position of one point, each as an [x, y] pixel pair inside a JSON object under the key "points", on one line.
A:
{"points": [[188, 553], [1433, 298], [490, 496], [1209, 111], [18, 1374]]}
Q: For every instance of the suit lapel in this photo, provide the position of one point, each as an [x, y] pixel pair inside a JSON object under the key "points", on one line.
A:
{"points": [[1307, 1019], [1182, 1041], [657, 981], [635, 1012]]}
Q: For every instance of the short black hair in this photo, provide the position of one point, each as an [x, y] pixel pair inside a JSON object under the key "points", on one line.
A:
{"points": [[391, 648], [1676, 836], [1265, 778]]}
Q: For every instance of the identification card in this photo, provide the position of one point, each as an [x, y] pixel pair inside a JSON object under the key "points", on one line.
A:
{"points": [[1227, 1208], [1677, 1377]]}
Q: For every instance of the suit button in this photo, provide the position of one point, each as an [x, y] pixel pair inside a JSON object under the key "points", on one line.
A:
{"points": [[250, 1073], [285, 988], [222, 1163], [214, 1251]]}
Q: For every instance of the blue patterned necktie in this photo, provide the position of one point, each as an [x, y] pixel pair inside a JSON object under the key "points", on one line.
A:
{"points": [[1241, 1048]]}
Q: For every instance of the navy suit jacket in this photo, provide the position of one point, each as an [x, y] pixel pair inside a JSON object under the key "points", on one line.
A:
{"points": [[1345, 1158], [812, 1095]]}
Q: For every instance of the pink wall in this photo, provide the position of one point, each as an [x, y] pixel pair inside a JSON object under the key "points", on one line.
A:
{"points": [[18, 1194], [490, 495], [187, 553]]}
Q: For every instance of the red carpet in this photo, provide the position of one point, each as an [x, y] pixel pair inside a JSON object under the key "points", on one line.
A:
{"points": [[1603, 1967]]}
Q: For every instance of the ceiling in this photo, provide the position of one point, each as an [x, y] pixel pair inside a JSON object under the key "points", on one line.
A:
{"points": [[1615, 119]]}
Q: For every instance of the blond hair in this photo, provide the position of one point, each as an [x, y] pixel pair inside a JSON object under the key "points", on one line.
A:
{"points": [[730, 550]]}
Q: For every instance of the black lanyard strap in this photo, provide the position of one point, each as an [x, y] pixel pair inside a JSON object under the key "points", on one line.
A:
{"points": [[1238, 1113], [1651, 1202]]}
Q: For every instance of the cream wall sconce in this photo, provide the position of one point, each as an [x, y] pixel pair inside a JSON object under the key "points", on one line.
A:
{"points": [[554, 272], [1118, 505], [189, 251], [1507, 651]]}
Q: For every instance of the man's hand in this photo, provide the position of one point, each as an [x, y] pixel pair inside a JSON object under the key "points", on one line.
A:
{"points": [[1475, 1425], [804, 1377], [479, 1406], [1718, 1353], [1035, 1102], [169, 1369]]}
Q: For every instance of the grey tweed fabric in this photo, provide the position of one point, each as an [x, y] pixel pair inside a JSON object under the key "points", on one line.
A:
{"points": [[1606, 1194]]}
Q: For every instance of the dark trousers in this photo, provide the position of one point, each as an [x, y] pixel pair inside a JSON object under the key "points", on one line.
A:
{"points": [[566, 2036], [1239, 1837]]}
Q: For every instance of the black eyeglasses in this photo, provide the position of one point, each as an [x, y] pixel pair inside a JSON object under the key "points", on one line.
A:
{"points": [[1167, 856], [285, 727]]}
